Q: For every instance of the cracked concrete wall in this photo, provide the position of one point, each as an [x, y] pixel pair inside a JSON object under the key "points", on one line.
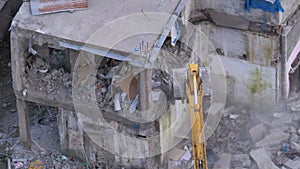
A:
{"points": [[249, 63]]}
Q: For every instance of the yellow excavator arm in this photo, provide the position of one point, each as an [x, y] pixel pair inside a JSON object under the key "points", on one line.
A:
{"points": [[194, 90]]}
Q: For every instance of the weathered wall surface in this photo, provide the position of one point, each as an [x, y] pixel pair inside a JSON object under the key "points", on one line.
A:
{"points": [[252, 83], [7, 11], [256, 48], [247, 62]]}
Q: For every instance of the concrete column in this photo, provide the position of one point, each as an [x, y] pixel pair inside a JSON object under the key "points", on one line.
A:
{"points": [[24, 123], [284, 67], [145, 88]]}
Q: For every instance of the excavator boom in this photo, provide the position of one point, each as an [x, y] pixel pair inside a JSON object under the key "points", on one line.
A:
{"points": [[194, 90]]}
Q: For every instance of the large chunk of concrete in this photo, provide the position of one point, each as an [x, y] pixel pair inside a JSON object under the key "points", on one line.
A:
{"points": [[292, 164], [273, 139], [262, 159], [287, 119], [224, 162], [258, 132], [228, 20]]}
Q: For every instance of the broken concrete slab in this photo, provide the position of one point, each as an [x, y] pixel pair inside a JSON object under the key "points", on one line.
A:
{"points": [[287, 119], [228, 20], [241, 160], [264, 117], [174, 164], [273, 139], [279, 129], [258, 132], [224, 162], [262, 159], [291, 164]]}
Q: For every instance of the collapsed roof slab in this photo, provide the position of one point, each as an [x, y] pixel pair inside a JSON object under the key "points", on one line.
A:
{"points": [[119, 25]]}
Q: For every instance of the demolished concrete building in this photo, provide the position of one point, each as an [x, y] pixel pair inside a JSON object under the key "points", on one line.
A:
{"points": [[77, 60]]}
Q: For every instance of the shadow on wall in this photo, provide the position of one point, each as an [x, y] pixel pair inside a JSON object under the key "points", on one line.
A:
{"points": [[7, 13]]}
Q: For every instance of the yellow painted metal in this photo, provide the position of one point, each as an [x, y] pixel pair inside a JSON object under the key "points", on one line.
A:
{"points": [[36, 165], [194, 92]]}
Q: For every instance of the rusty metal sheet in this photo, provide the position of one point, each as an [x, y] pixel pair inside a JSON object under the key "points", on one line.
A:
{"points": [[51, 6]]}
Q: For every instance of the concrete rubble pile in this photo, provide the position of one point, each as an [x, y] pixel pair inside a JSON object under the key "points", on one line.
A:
{"points": [[258, 139], [45, 149], [48, 74]]}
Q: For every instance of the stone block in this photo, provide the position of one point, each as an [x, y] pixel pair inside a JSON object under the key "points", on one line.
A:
{"points": [[262, 159]]}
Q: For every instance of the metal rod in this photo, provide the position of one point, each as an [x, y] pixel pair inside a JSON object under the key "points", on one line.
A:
{"points": [[195, 89]]}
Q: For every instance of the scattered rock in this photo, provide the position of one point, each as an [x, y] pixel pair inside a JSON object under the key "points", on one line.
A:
{"points": [[227, 111], [224, 162], [13, 110], [4, 105], [233, 116], [294, 106], [262, 159]]}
